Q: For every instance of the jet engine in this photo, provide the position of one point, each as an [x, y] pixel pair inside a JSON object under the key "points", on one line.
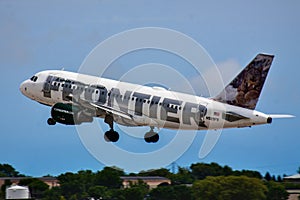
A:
{"points": [[69, 114]]}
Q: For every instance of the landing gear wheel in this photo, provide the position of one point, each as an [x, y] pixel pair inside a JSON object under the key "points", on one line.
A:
{"points": [[51, 121], [111, 136], [151, 136]]}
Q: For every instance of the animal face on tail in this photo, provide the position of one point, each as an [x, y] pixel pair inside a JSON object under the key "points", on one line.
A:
{"points": [[244, 90]]}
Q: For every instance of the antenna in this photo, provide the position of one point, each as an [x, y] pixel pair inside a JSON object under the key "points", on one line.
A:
{"points": [[173, 167]]}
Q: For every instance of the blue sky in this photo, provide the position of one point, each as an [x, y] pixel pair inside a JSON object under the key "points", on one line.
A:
{"points": [[39, 35]]}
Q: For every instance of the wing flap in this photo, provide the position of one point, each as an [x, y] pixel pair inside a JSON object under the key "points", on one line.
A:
{"points": [[113, 111], [92, 106]]}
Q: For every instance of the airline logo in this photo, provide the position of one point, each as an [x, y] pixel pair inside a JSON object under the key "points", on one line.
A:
{"points": [[166, 109]]}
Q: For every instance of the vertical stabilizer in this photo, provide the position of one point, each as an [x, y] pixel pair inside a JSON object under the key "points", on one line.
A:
{"points": [[245, 88]]}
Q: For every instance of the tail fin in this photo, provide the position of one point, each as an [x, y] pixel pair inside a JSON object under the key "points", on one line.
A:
{"points": [[245, 88]]}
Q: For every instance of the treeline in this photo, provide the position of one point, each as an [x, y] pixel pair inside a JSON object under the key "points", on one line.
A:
{"points": [[200, 181]]}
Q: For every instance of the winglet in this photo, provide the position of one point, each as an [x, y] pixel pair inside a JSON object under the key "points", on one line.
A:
{"points": [[244, 90]]}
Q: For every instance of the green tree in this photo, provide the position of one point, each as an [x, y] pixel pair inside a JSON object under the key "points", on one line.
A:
{"points": [[53, 193], [7, 170], [36, 186], [109, 177], [134, 193], [183, 176], [229, 188], [268, 176], [3, 188], [248, 173], [69, 184], [176, 192], [157, 172], [182, 192], [98, 192], [162, 193], [202, 170], [276, 191], [279, 179]]}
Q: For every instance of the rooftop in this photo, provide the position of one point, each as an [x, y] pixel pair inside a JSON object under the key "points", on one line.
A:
{"points": [[296, 176], [143, 178]]}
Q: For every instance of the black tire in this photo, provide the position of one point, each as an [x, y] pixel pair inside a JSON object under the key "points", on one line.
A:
{"points": [[147, 137], [151, 137], [107, 136], [111, 136], [114, 136], [155, 138], [51, 121]]}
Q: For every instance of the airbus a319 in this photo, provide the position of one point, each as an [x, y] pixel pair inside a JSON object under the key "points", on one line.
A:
{"points": [[77, 98]]}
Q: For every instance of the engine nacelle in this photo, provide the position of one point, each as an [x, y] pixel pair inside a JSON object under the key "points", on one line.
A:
{"points": [[69, 114]]}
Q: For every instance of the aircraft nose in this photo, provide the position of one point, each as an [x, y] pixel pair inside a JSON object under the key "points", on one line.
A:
{"points": [[24, 87]]}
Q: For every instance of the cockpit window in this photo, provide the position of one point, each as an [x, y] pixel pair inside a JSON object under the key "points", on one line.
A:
{"points": [[34, 78]]}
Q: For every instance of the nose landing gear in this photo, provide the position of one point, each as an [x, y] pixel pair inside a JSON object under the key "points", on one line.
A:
{"points": [[51, 121]]}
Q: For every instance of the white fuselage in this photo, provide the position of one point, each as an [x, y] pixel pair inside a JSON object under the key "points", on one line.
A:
{"points": [[148, 106]]}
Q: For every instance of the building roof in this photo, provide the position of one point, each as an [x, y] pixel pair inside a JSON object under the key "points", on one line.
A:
{"points": [[48, 178], [296, 176], [17, 187], [148, 178]]}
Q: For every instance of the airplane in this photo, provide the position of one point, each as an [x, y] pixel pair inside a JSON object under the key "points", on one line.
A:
{"points": [[78, 98]]}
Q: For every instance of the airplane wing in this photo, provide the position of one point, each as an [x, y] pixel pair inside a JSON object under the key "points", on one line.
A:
{"points": [[113, 111], [93, 106]]}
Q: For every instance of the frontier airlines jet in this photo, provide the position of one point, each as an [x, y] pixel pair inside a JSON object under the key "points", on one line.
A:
{"points": [[77, 98]]}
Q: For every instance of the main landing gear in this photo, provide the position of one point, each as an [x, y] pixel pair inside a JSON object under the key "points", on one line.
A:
{"points": [[151, 136], [111, 135]]}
